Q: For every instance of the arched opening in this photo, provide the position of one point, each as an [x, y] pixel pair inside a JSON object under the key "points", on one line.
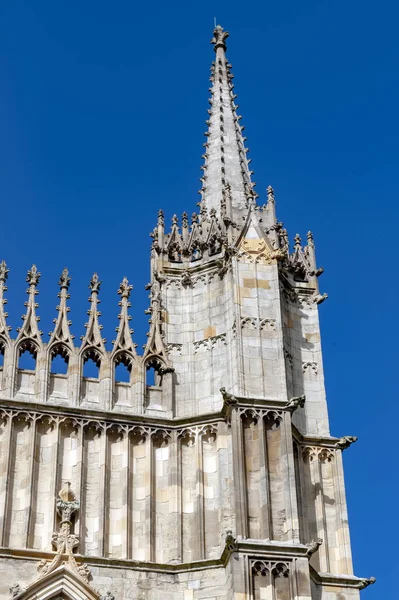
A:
{"points": [[27, 358], [59, 360], [154, 373], [26, 368], [215, 247], [196, 254], [174, 254], [91, 367], [122, 373], [59, 371], [91, 375], [2, 350]]}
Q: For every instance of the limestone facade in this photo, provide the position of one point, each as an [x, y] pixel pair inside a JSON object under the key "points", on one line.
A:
{"points": [[214, 478]]}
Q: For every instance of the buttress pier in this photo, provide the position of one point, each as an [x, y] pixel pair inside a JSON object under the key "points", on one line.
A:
{"points": [[210, 472]]}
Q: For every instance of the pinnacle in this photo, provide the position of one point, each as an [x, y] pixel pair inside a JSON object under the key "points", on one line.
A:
{"points": [[225, 158]]}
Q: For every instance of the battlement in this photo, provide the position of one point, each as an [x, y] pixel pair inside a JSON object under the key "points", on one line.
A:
{"points": [[72, 387]]}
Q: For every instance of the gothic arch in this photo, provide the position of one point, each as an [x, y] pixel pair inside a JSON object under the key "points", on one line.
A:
{"points": [[61, 583]]}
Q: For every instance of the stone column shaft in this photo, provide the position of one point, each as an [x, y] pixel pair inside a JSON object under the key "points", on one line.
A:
{"points": [[239, 475], [32, 483], [200, 498], [264, 485], [6, 486]]}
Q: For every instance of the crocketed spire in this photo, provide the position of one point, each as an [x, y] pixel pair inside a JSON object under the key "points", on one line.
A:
{"points": [[225, 154]]}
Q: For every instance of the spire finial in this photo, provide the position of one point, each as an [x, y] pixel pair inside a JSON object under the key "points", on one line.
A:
{"points": [[124, 289], [64, 280], [95, 284], [270, 194], [219, 38]]}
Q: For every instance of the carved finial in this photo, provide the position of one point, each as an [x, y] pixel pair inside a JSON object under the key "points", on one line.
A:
{"points": [[175, 220], [309, 235], [295, 403], [219, 38], [365, 583], [66, 493], [15, 590], [270, 195], [297, 240], [203, 213], [161, 218], [95, 283], [3, 271], [184, 220], [194, 218], [313, 547], [64, 540], [346, 441], [64, 279], [125, 289], [33, 276]]}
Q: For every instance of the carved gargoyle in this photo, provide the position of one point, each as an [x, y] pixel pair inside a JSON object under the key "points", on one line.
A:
{"points": [[317, 272], [294, 403], [227, 397], [346, 441], [107, 596], [231, 542], [313, 547], [186, 278], [319, 298], [366, 582]]}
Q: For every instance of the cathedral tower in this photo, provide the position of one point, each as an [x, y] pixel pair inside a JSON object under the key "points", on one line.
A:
{"points": [[211, 474]]}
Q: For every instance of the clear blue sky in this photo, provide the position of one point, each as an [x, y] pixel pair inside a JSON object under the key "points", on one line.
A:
{"points": [[102, 111]]}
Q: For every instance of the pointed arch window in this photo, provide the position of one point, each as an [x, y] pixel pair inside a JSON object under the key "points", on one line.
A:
{"points": [[122, 367], [2, 351], [27, 355], [214, 247], [196, 254], [91, 364], [174, 254], [154, 373], [59, 360]]}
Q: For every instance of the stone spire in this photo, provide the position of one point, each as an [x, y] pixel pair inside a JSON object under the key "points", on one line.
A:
{"points": [[225, 154], [124, 342], [93, 339], [30, 330], [61, 332]]}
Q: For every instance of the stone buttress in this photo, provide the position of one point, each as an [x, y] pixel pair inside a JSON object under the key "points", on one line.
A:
{"points": [[209, 472]]}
